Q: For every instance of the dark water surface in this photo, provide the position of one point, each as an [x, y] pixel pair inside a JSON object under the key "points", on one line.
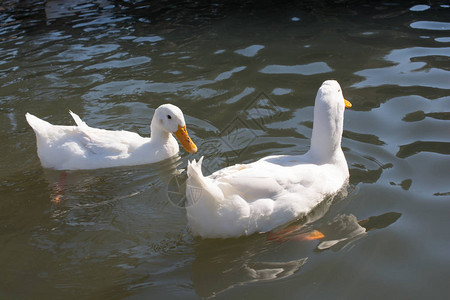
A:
{"points": [[245, 76]]}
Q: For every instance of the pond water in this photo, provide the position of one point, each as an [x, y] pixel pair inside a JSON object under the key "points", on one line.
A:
{"points": [[246, 77]]}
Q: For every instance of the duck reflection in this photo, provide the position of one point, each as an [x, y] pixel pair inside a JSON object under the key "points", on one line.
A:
{"points": [[108, 182], [338, 233], [345, 229], [223, 264]]}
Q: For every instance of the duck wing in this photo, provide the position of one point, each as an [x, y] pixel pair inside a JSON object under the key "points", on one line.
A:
{"points": [[73, 147], [249, 181], [105, 142]]}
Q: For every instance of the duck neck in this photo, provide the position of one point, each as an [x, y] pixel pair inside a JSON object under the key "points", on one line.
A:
{"points": [[327, 133], [157, 134]]}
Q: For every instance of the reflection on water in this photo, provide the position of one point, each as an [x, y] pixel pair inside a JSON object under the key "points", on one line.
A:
{"points": [[345, 229], [337, 233], [245, 75], [411, 67], [221, 265]]}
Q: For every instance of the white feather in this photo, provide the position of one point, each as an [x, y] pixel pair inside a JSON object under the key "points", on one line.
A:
{"points": [[83, 147], [257, 197]]}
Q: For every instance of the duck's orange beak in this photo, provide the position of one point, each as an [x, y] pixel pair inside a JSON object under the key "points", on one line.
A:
{"points": [[185, 140], [347, 103]]}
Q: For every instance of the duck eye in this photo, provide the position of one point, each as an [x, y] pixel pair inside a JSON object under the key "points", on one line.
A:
{"points": [[169, 117]]}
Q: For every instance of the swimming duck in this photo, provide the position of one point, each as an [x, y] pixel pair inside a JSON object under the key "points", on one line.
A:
{"points": [[84, 147], [257, 197]]}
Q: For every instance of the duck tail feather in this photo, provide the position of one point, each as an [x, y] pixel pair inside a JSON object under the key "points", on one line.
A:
{"points": [[194, 169], [37, 124], [77, 119]]}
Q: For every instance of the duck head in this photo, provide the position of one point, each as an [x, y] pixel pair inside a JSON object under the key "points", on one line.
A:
{"points": [[169, 119], [328, 120]]}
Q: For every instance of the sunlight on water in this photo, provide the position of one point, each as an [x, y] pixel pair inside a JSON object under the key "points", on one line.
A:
{"points": [[245, 78], [309, 69], [413, 66]]}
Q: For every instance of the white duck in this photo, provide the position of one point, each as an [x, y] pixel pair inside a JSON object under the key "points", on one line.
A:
{"points": [[84, 147], [257, 197]]}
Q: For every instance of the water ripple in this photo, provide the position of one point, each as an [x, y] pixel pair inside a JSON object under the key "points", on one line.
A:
{"points": [[115, 64], [250, 51], [228, 74], [81, 52], [421, 146], [308, 69], [148, 39], [420, 7], [430, 25], [100, 21], [246, 80], [407, 72]]}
